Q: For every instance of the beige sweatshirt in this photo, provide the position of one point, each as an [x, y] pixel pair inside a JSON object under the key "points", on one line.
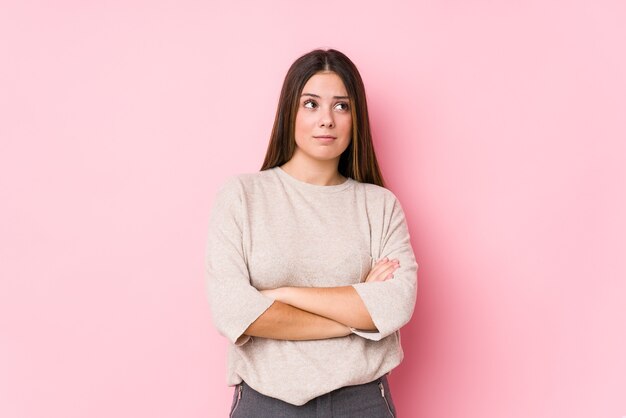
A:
{"points": [[269, 229]]}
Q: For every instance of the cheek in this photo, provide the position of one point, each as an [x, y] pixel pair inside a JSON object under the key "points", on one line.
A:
{"points": [[302, 123], [346, 125]]}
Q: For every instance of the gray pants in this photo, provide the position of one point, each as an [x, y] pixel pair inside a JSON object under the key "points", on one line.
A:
{"points": [[369, 400]]}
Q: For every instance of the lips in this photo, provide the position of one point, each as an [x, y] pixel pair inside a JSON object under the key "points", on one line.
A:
{"points": [[325, 138]]}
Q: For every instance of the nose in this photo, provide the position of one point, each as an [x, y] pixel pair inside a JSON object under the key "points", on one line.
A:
{"points": [[326, 119]]}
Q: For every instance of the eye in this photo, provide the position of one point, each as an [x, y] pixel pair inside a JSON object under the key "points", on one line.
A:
{"points": [[342, 106], [310, 104]]}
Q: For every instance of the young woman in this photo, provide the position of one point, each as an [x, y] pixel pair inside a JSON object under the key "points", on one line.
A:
{"points": [[310, 268]]}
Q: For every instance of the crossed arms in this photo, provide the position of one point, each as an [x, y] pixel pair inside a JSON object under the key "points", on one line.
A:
{"points": [[311, 313], [372, 309]]}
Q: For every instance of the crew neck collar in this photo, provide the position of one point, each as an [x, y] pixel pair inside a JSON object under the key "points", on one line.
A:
{"points": [[312, 187]]}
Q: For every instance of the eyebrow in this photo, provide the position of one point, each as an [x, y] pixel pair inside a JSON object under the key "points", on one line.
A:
{"points": [[315, 95]]}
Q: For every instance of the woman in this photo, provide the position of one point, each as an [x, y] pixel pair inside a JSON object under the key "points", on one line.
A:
{"points": [[310, 269]]}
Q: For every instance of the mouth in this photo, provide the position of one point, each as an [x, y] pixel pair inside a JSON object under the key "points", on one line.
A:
{"points": [[325, 138]]}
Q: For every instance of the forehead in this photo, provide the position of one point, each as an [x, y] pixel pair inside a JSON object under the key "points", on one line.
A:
{"points": [[325, 84]]}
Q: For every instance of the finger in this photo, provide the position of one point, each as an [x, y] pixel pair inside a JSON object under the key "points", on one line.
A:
{"points": [[376, 274], [381, 275], [386, 260], [378, 266], [381, 269], [382, 260], [388, 268]]}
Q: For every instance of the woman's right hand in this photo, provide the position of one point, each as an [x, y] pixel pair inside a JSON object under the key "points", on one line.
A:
{"points": [[382, 270]]}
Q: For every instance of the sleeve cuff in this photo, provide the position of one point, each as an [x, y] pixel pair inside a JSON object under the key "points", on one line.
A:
{"points": [[242, 340], [368, 335], [239, 338]]}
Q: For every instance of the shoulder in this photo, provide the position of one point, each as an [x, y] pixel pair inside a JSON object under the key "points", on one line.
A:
{"points": [[375, 193], [240, 184], [382, 203]]}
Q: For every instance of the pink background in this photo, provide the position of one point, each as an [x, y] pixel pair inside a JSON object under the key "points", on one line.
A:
{"points": [[499, 125]]}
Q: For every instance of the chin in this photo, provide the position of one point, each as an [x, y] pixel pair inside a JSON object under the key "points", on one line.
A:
{"points": [[325, 156]]}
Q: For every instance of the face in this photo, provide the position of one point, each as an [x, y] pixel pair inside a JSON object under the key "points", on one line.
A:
{"points": [[324, 120]]}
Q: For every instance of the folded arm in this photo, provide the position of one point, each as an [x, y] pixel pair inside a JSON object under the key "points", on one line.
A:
{"points": [[341, 304], [285, 322]]}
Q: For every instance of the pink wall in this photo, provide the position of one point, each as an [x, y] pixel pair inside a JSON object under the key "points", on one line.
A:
{"points": [[500, 125]]}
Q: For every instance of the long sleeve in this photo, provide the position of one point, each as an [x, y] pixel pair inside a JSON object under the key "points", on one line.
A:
{"points": [[234, 302], [391, 303]]}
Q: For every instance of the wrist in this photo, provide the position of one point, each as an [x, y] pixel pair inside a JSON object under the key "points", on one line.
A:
{"points": [[274, 294], [281, 294]]}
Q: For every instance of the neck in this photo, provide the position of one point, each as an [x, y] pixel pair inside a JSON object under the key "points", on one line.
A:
{"points": [[320, 173]]}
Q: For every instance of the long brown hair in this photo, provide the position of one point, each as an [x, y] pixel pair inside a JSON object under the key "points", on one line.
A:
{"points": [[359, 159]]}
